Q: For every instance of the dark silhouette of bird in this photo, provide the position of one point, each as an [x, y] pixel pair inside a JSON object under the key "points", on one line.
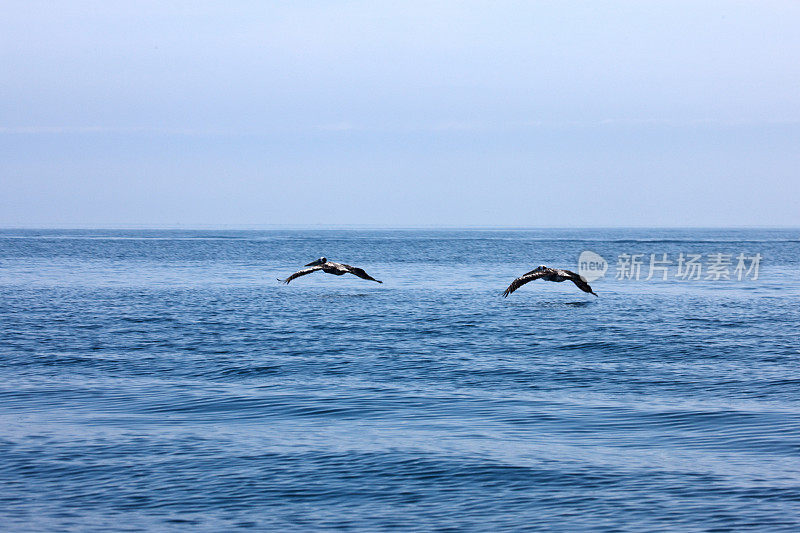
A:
{"points": [[329, 267], [548, 274]]}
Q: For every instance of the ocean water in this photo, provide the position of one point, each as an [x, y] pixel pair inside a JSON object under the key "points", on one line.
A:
{"points": [[165, 380]]}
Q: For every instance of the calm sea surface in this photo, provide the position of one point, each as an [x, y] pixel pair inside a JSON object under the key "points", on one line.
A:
{"points": [[164, 380]]}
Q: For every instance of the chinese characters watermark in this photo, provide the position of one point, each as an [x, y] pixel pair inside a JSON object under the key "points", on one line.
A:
{"points": [[685, 267]]}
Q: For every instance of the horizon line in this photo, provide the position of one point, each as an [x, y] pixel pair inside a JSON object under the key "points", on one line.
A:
{"points": [[320, 226]]}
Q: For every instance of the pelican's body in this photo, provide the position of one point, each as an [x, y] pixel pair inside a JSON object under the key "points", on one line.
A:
{"points": [[330, 267], [549, 274]]}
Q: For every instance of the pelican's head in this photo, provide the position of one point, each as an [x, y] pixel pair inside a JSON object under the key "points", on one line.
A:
{"points": [[319, 261], [541, 267]]}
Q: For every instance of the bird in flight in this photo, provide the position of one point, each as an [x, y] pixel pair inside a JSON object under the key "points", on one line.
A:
{"points": [[548, 274], [329, 267]]}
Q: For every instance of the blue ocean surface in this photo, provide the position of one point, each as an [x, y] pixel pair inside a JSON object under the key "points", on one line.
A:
{"points": [[165, 380]]}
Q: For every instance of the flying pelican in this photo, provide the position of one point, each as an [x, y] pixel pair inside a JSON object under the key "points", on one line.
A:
{"points": [[548, 274], [329, 267]]}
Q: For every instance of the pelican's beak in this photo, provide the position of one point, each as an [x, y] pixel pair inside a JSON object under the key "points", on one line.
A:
{"points": [[314, 263]]}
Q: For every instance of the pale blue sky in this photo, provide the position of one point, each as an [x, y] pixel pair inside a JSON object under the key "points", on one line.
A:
{"points": [[400, 113]]}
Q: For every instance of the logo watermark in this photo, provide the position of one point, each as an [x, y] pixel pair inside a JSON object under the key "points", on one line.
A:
{"points": [[591, 266], [685, 267]]}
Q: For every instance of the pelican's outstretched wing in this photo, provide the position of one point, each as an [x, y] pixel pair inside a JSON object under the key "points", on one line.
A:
{"points": [[580, 282], [523, 279], [301, 273], [360, 273]]}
